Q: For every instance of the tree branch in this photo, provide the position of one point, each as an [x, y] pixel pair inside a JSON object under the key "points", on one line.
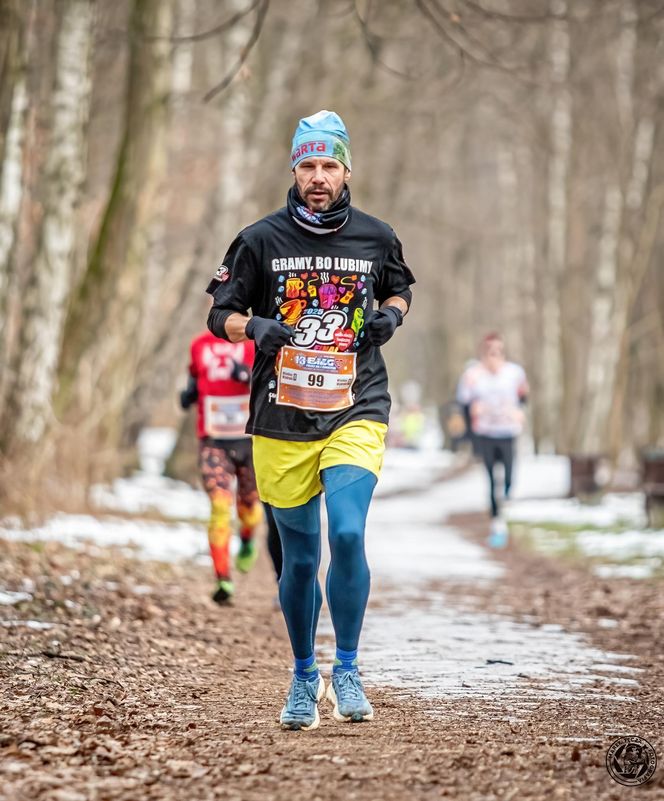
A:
{"points": [[263, 6], [218, 29], [441, 29], [486, 60], [653, 15], [472, 40], [371, 40], [528, 18]]}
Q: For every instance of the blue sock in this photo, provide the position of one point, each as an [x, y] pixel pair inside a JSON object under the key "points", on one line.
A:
{"points": [[306, 669], [346, 660]]}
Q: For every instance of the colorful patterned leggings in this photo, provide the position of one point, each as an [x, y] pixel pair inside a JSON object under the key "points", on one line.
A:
{"points": [[220, 462]]}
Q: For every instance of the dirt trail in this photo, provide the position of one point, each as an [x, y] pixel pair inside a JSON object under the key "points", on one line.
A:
{"points": [[144, 689]]}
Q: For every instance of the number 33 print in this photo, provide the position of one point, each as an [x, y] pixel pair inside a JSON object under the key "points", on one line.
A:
{"points": [[314, 330]]}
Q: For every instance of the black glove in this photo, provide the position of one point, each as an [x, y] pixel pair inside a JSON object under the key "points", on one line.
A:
{"points": [[241, 372], [382, 325], [190, 394], [269, 335]]}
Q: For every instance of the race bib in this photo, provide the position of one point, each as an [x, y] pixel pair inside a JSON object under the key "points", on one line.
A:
{"points": [[316, 380], [225, 417]]}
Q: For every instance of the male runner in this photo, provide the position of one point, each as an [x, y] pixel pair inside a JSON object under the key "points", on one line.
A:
{"points": [[495, 390], [311, 273], [219, 375]]}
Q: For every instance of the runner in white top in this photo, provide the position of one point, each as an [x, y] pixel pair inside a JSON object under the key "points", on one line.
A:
{"points": [[495, 390]]}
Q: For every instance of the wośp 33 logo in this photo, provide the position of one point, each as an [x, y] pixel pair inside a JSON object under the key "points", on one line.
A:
{"points": [[328, 329]]}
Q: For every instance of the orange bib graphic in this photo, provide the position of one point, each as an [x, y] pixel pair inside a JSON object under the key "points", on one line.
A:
{"points": [[316, 380]]}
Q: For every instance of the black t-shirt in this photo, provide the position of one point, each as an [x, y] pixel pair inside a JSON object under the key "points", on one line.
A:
{"points": [[322, 285]]}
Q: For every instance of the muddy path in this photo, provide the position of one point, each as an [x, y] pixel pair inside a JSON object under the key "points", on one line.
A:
{"points": [[143, 689]]}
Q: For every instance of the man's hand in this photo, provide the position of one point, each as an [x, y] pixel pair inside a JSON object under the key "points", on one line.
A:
{"points": [[382, 325], [241, 373], [269, 335], [190, 394]]}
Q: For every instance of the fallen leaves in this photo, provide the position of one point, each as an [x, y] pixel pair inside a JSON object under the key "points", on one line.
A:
{"points": [[177, 699]]}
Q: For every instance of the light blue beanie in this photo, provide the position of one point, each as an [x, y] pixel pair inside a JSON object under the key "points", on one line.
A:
{"points": [[322, 134]]}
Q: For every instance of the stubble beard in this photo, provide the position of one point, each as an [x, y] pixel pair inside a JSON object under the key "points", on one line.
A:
{"points": [[321, 206]]}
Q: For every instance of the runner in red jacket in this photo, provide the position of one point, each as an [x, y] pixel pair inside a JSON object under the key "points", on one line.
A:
{"points": [[219, 376]]}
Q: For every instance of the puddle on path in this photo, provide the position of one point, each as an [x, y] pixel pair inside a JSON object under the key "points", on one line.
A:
{"points": [[427, 645]]}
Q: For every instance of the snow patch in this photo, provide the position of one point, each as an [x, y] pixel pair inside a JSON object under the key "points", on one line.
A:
{"points": [[145, 493], [8, 598], [150, 540], [37, 625], [613, 509]]}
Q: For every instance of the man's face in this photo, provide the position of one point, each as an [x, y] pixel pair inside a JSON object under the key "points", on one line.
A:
{"points": [[493, 354], [320, 181]]}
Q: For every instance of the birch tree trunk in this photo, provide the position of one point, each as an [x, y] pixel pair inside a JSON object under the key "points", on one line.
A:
{"points": [[50, 282], [642, 195], [101, 348], [602, 345], [11, 62], [636, 269], [13, 107], [561, 120]]}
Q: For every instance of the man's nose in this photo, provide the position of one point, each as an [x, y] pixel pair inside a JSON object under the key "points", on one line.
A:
{"points": [[319, 174]]}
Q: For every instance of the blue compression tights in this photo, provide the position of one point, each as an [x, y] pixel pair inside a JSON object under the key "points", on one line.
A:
{"points": [[348, 491], [299, 590]]}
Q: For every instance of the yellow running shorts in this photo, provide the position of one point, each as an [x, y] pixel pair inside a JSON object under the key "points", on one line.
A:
{"points": [[288, 473]]}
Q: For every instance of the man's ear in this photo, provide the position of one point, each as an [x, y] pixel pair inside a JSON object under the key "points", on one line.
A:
{"points": [[347, 176]]}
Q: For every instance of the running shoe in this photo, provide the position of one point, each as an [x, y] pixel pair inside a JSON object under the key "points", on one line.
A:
{"points": [[346, 693], [498, 534], [224, 592], [301, 708], [246, 557]]}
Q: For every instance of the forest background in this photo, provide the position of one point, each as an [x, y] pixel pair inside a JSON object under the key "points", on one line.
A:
{"points": [[516, 146]]}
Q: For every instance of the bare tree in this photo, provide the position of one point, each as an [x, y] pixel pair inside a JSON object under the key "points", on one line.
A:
{"points": [[49, 286], [101, 349], [13, 108]]}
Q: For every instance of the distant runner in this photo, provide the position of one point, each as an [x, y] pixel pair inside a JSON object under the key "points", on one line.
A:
{"points": [[312, 274], [219, 377], [495, 390]]}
